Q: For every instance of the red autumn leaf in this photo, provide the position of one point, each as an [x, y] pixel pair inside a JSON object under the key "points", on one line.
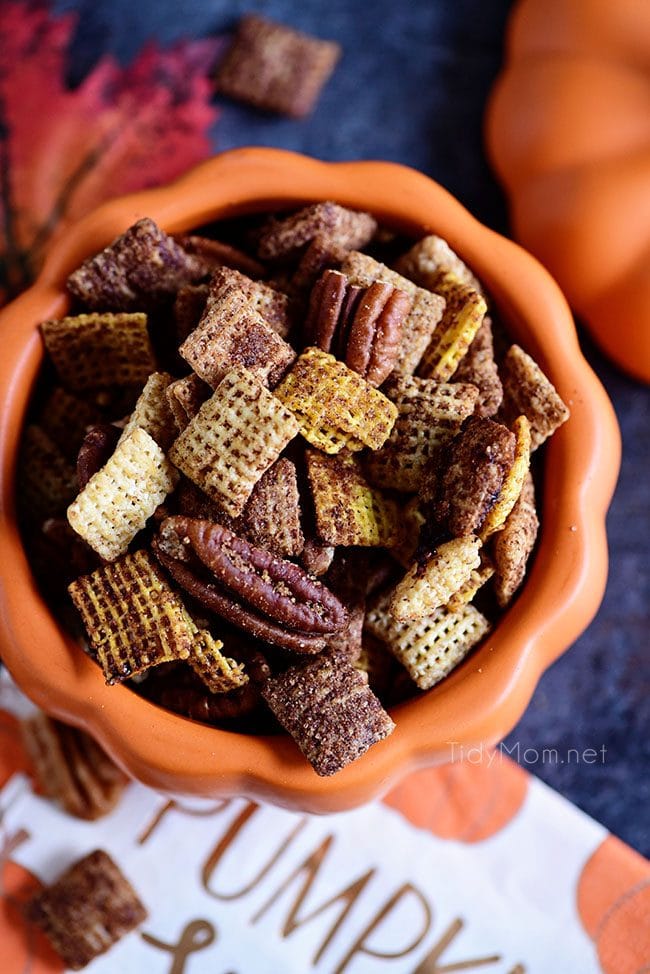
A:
{"points": [[63, 151]]}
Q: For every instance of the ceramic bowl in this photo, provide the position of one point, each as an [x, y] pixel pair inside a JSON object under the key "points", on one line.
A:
{"points": [[484, 697]]}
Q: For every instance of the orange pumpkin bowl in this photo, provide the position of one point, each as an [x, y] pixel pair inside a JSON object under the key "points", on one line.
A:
{"points": [[484, 697]]}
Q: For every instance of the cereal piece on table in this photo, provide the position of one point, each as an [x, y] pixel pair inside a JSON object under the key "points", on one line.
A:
{"points": [[479, 459], [87, 910], [152, 412], [431, 647], [527, 390], [429, 415], [462, 318], [189, 305], [66, 417], [118, 500], [234, 438], [429, 259], [329, 710], [476, 581], [219, 673], [232, 332], [479, 367], [329, 223], [348, 510], [99, 350], [513, 545], [185, 397], [137, 271], [514, 480], [334, 406], [47, 481], [215, 254], [132, 617], [71, 768], [276, 68], [427, 586], [271, 518], [426, 312]]}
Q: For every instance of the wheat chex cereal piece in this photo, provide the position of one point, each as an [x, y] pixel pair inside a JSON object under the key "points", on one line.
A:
{"points": [[66, 417], [234, 438], [334, 406], [189, 305], [132, 617], [426, 313], [138, 270], [71, 768], [514, 479], [152, 412], [513, 545], [527, 390], [329, 710], [348, 510], [232, 332], [429, 415], [476, 581], [272, 304], [119, 499], [276, 68], [271, 518], [87, 910], [462, 318], [327, 222], [431, 647], [426, 587], [185, 397], [479, 367], [430, 258], [98, 350], [219, 673], [47, 481]]}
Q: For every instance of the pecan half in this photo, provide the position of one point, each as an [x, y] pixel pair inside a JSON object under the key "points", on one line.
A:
{"points": [[97, 446]]}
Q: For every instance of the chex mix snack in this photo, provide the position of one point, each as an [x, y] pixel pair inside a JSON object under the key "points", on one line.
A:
{"points": [[286, 477]]}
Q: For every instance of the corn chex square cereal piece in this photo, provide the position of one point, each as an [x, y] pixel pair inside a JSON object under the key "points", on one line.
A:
{"points": [[234, 438], [138, 270], [119, 499], [233, 332], [271, 518], [476, 580], [65, 418], [348, 510], [462, 318], [334, 406], [152, 412], [185, 397], [329, 710], [513, 544], [99, 350], [420, 325], [527, 390], [219, 673], [430, 258], [87, 910], [71, 768], [514, 479], [429, 415], [479, 367], [47, 481], [431, 647], [328, 223], [276, 68], [426, 587], [133, 619]]}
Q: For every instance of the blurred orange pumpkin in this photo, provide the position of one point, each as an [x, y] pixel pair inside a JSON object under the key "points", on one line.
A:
{"points": [[568, 132]]}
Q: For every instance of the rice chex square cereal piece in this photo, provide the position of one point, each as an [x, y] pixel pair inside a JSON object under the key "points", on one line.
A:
{"points": [[329, 710], [276, 68], [132, 617], [47, 481], [513, 545], [429, 259], [529, 392], [427, 586], [430, 414], [234, 438], [479, 367], [96, 351], [137, 271], [87, 910], [335, 406], [348, 510], [462, 318], [271, 518], [119, 499], [328, 223], [431, 647], [152, 412], [420, 325]]}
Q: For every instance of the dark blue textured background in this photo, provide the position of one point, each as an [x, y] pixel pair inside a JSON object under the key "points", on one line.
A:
{"points": [[411, 87]]}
